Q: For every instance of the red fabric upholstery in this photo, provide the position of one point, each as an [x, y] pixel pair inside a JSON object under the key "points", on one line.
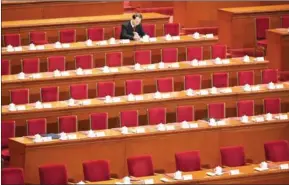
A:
{"points": [[38, 37], [19, 96], [185, 113], [129, 118], [12, 39], [113, 59], [188, 161], [149, 29], [285, 21], [7, 131], [49, 94], [262, 24], [283, 76], [5, 67], [5, 154], [193, 82], [246, 77], [172, 28], [217, 110], [56, 63], [12, 176], [79, 91], [232, 156], [53, 174], [170, 55], [36, 126], [201, 30], [95, 34], [67, 36], [262, 43], [31, 65], [219, 51], [194, 53], [272, 105], [140, 166], [220, 80], [133, 87], [98, 170], [269, 75], [157, 115], [277, 151], [99, 121], [161, 10], [67, 124], [105, 89], [143, 57], [165, 84], [84, 61], [245, 107], [117, 31]]}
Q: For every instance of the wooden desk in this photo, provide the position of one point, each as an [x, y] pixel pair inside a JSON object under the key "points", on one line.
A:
{"points": [[51, 26], [247, 175], [10, 82], [98, 51], [29, 156], [278, 48], [170, 102], [47, 9], [232, 22]]}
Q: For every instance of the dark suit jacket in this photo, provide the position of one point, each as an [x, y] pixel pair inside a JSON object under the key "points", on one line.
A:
{"points": [[127, 31]]}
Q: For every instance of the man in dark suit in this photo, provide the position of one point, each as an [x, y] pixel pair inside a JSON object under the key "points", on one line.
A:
{"points": [[132, 29]]}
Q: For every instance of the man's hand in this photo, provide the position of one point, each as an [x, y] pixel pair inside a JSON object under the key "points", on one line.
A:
{"points": [[136, 36]]}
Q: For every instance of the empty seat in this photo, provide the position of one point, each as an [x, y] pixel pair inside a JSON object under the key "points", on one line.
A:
{"points": [[113, 59], [216, 110], [172, 28], [67, 124], [49, 94], [149, 29], [97, 170], [98, 121], [12, 39], [194, 53], [143, 57], [262, 24], [5, 67], [12, 176], [193, 82], [95, 34], [36, 126], [185, 113], [105, 89], [84, 61], [232, 156], [140, 166], [188, 161], [79, 91], [129, 118], [157, 115], [272, 105], [7, 131], [285, 21], [220, 80], [19, 96], [277, 151], [38, 37], [269, 75], [53, 174], [245, 108], [67, 36], [117, 31], [245, 77], [56, 63], [133, 87], [31, 65], [169, 55], [219, 51], [165, 84]]}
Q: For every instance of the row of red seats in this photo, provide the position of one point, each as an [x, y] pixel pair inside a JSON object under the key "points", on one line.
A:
{"points": [[114, 59], [141, 166], [130, 118], [135, 87], [94, 34]]}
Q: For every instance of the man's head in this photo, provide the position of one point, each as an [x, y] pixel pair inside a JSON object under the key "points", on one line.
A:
{"points": [[136, 18]]}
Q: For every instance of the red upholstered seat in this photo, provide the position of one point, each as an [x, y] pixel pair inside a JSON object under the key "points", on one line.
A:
{"points": [[149, 29], [140, 166], [5, 67], [49, 94], [285, 21], [67, 36], [188, 161], [79, 91], [169, 55], [262, 24], [117, 31], [269, 75], [277, 151], [129, 118], [220, 80], [201, 30], [31, 65], [38, 37], [193, 82], [84, 61], [272, 105], [105, 89], [165, 84], [217, 110], [143, 57], [56, 63], [245, 107], [219, 51], [7, 131], [133, 87], [53, 174], [36, 126], [98, 121], [246, 77], [172, 28], [98, 170], [95, 34], [232, 156], [283, 76], [67, 124], [185, 113], [113, 59], [12, 39], [19, 96], [157, 115], [194, 53], [12, 176]]}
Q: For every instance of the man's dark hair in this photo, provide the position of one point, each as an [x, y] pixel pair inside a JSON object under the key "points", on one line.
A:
{"points": [[137, 15]]}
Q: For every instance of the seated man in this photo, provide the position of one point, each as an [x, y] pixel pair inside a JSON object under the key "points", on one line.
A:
{"points": [[132, 29]]}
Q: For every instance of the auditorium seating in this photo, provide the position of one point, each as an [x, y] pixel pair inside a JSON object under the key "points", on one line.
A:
{"points": [[245, 108], [169, 55], [84, 61], [185, 113], [12, 39], [38, 38], [98, 121], [194, 53], [5, 67], [7, 131], [105, 89], [31, 65], [134, 87], [56, 63], [188, 161], [193, 82], [269, 75], [79, 91], [113, 59], [245, 77], [95, 34], [262, 24], [277, 151], [19, 96], [11, 176], [285, 21], [165, 84], [156, 115], [139, 166], [272, 105], [129, 118], [172, 29], [36, 126], [220, 80], [49, 94], [143, 57], [232, 156], [97, 170], [217, 110], [53, 174], [67, 124], [219, 51]]}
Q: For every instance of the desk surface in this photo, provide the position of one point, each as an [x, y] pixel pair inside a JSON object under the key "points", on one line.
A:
{"points": [[280, 31], [78, 20], [257, 9]]}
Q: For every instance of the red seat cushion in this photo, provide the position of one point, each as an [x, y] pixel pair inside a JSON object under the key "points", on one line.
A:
{"points": [[5, 154], [262, 43]]}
